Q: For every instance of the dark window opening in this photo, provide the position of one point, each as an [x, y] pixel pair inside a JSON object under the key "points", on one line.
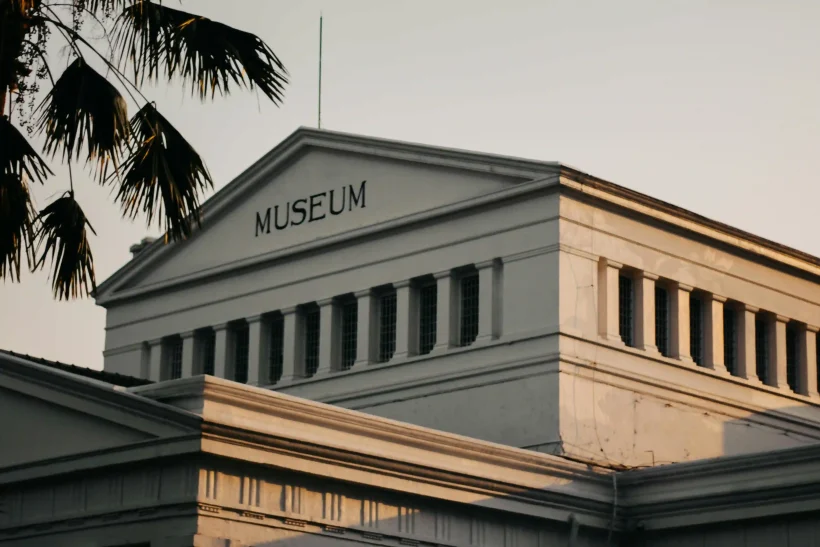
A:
{"points": [[469, 309], [428, 295], [626, 310], [312, 326], [662, 320], [387, 326], [276, 348], [350, 323]]}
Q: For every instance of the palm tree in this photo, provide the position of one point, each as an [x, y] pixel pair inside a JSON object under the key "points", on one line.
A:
{"points": [[156, 172]]}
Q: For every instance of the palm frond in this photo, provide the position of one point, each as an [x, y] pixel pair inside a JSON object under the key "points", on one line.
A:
{"points": [[208, 54], [62, 236], [163, 176], [17, 156], [16, 224], [84, 109]]}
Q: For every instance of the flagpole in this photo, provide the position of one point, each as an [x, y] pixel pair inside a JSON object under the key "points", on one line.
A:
{"points": [[320, 70]]}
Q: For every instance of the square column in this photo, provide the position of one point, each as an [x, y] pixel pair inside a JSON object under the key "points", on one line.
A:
{"points": [[746, 352], [489, 300], [328, 341], [366, 305], [445, 311], [679, 319], [777, 354], [155, 360], [187, 354], [257, 351], [713, 334], [221, 355], [645, 312], [291, 353], [405, 320], [807, 361], [608, 300]]}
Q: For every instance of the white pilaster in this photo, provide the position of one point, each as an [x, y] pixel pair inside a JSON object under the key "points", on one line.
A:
{"points": [[746, 352], [257, 346], [221, 351], [807, 361], [446, 331], [777, 352], [713, 333], [405, 320], [327, 336], [291, 354], [489, 302], [679, 319], [366, 302], [645, 312], [608, 298], [155, 360], [187, 354]]}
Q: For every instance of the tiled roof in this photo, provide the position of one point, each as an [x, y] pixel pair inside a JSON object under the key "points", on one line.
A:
{"points": [[101, 375]]}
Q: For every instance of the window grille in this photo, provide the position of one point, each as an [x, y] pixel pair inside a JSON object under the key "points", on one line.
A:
{"points": [[730, 340], [696, 329], [469, 309], [791, 356], [174, 360], [662, 320], [387, 326], [276, 347], [626, 310], [350, 320], [427, 318], [209, 352], [312, 326], [241, 338], [762, 350]]}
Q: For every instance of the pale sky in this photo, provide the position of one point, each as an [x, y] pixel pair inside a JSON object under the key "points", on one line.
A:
{"points": [[712, 106]]}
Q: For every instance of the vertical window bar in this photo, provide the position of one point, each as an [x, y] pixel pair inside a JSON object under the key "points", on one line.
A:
{"points": [[469, 309], [276, 355], [791, 356], [696, 329], [762, 349], [174, 348], [626, 311], [427, 318], [209, 352], [662, 320], [350, 320], [312, 326], [241, 338], [730, 340], [387, 326]]}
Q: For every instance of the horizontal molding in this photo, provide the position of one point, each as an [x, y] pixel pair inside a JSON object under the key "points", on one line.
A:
{"points": [[381, 260], [543, 184]]}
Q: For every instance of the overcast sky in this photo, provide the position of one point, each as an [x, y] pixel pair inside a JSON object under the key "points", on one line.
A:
{"points": [[712, 106]]}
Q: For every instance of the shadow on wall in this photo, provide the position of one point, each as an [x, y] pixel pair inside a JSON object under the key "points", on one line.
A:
{"points": [[775, 429]]}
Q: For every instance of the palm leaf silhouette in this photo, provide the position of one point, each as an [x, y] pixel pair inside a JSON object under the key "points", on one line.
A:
{"points": [[62, 236], [16, 224], [83, 108], [163, 174], [159, 40]]}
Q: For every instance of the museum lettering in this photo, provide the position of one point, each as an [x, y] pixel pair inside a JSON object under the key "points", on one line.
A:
{"points": [[311, 209]]}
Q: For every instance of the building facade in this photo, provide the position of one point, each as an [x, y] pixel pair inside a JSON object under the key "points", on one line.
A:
{"points": [[371, 342], [411, 282]]}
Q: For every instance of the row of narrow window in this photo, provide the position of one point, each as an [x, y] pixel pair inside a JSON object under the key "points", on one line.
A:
{"points": [[697, 335], [309, 333]]}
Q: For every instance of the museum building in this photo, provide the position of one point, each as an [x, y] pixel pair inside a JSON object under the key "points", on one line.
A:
{"points": [[376, 342]]}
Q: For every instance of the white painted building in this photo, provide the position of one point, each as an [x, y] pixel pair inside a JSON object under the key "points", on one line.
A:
{"points": [[537, 356]]}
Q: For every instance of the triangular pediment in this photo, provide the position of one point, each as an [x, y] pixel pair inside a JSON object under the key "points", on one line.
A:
{"points": [[48, 414], [314, 187]]}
